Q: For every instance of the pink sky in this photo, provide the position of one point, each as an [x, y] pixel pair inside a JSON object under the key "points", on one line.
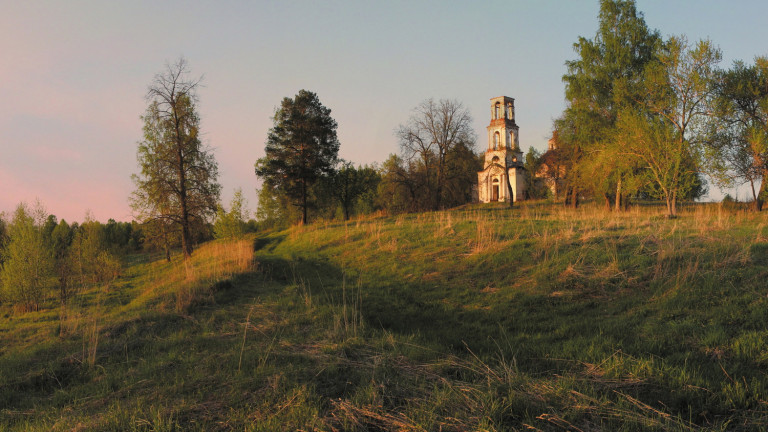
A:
{"points": [[73, 77]]}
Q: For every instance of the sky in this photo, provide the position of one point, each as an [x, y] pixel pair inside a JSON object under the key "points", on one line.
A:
{"points": [[74, 76]]}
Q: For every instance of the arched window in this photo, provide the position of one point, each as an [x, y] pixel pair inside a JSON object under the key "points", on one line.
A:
{"points": [[497, 110], [495, 159], [496, 141], [510, 141], [510, 112]]}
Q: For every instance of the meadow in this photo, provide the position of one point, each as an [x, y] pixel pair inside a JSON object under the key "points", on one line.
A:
{"points": [[475, 318]]}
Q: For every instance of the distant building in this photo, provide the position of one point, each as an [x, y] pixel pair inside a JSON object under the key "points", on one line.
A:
{"points": [[503, 168]]}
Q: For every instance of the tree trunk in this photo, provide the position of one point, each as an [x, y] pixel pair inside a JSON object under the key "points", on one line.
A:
{"points": [[439, 186], [167, 247], [618, 195], [186, 240], [571, 197], [511, 193], [672, 205], [607, 201], [303, 202], [625, 202], [761, 193]]}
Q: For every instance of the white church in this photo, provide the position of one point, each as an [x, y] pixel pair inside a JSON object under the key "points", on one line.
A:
{"points": [[503, 176]]}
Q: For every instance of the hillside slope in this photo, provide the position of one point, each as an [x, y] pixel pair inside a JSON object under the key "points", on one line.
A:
{"points": [[482, 318]]}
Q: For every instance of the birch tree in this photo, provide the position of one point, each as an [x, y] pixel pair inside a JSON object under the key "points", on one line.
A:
{"points": [[178, 179]]}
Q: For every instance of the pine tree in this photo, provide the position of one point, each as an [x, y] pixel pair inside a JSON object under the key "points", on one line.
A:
{"points": [[301, 148]]}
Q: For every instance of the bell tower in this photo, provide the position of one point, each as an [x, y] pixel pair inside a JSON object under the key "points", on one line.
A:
{"points": [[503, 169]]}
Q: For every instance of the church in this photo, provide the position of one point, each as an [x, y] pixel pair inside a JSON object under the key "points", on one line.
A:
{"points": [[503, 176]]}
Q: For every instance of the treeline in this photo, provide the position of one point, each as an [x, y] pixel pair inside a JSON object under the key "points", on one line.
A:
{"points": [[397, 186], [649, 117], [42, 258], [303, 177]]}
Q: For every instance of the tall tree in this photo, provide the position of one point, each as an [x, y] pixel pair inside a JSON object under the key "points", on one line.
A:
{"points": [[434, 131], [301, 148], [741, 147], [178, 180], [679, 98], [28, 262], [605, 79]]}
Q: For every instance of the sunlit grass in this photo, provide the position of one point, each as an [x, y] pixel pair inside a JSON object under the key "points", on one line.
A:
{"points": [[478, 318]]}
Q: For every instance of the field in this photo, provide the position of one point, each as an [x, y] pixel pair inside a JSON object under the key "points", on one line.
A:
{"points": [[478, 318]]}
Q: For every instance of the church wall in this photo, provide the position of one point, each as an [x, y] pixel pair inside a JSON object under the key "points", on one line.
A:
{"points": [[501, 159]]}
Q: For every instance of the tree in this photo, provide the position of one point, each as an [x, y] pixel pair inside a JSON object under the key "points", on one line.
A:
{"points": [[533, 164], [301, 149], [159, 234], [678, 98], [28, 262], [348, 184], [432, 133], [3, 235], [669, 167], [232, 223], [741, 130], [397, 192], [569, 156], [178, 180], [60, 240], [604, 80], [461, 166]]}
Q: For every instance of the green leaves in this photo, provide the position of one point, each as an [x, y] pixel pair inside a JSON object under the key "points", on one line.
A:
{"points": [[28, 261], [178, 179], [301, 148], [231, 224]]}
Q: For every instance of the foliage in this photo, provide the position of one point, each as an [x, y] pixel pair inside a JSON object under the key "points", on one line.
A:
{"points": [[178, 180], [348, 185], [3, 235], [301, 149], [679, 100], [670, 170], [398, 189], [274, 208], [535, 187], [232, 224], [28, 261], [430, 141], [604, 80], [638, 109], [159, 234], [740, 147], [461, 166]]}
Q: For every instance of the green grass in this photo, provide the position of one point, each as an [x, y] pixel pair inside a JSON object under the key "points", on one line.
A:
{"points": [[479, 318]]}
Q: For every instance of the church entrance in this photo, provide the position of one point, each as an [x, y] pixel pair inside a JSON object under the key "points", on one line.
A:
{"points": [[495, 190]]}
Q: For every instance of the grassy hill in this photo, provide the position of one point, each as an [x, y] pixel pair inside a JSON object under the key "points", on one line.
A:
{"points": [[480, 318]]}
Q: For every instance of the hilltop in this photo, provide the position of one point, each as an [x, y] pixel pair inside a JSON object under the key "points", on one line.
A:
{"points": [[477, 318]]}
